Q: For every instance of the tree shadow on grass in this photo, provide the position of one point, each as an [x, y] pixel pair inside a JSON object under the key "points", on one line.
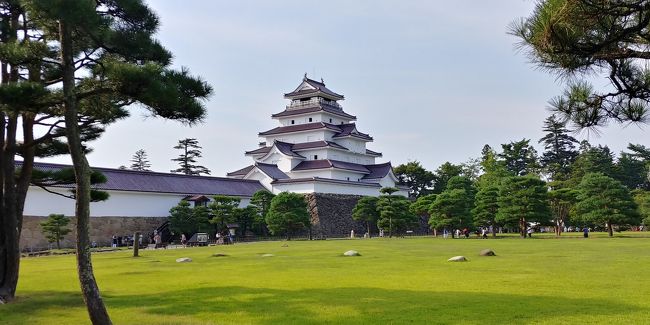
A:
{"points": [[335, 305]]}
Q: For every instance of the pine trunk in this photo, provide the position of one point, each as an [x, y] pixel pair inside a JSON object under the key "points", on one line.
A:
{"points": [[610, 230], [522, 227], [92, 298]]}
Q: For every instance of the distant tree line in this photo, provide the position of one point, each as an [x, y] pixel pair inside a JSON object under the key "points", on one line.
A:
{"points": [[569, 183]]}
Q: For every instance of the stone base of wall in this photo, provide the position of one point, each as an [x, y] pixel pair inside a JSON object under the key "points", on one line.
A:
{"points": [[102, 230], [331, 215]]}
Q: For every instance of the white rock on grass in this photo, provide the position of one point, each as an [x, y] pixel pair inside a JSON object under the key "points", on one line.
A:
{"points": [[183, 260], [268, 255], [457, 259], [351, 253]]}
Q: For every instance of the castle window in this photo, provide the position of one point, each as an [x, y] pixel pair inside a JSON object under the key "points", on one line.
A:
{"points": [[310, 119], [330, 120], [315, 157], [293, 122], [348, 178]]}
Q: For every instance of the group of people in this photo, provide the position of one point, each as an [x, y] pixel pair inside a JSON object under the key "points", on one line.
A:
{"points": [[458, 233], [118, 241]]}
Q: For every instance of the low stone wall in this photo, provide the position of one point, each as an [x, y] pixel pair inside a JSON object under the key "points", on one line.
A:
{"points": [[102, 230]]}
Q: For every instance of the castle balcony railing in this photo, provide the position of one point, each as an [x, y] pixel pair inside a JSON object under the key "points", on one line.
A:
{"points": [[318, 101]]}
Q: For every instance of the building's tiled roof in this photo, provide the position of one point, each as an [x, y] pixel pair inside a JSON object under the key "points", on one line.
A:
{"points": [[285, 148], [271, 170], [317, 144], [373, 153], [138, 181], [378, 170], [329, 163], [241, 172], [314, 109], [319, 87], [301, 127], [350, 130], [259, 151], [325, 180]]}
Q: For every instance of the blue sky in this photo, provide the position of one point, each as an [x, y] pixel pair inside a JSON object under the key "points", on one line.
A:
{"points": [[431, 81]]}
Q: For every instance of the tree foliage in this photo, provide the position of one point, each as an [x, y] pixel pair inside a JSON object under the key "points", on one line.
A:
{"points": [[394, 213], [261, 200], [413, 175], [54, 228], [519, 157], [190, 151], [559, 149], [642, 200], [442, 175], [486, 206], [140, 161], [366, 210], [522, 199], [287, 214], [603, 200], [579, 38], [186, 220], [223, 211]]}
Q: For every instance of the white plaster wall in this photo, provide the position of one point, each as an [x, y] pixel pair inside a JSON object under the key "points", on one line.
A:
{"points": [[323, 173], [120, 204], [316, 117], [300, 137], [343, 175]]}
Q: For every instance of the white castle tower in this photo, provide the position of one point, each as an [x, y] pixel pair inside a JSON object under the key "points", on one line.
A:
{"points": [[317, 148]]}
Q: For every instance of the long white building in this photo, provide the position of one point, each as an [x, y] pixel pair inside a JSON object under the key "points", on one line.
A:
{"points": [[316, 148]]}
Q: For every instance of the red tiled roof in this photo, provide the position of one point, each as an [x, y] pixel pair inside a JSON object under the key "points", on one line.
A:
{"points": [[301, 127], [141, 181]]}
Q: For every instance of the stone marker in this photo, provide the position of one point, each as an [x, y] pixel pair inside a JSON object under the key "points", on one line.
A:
{"points": [[457, 259], [219, 255], [487, 252], [351, 253], [285, 245], [183, 260], [268, 255]]}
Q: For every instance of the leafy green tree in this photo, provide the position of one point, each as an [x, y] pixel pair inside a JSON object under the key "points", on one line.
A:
{"points": [[190, 152], [632, 171], [140, 161], [223, 210], [54, 228], [519, 158], [604, 200], [642, 200], [451, 209], [288, 213], [186, 220], [523, 199], [261, 200], [366, 210], [494, 169], [561, 201], [442, 175], [394, 212], [106, 59], [592, 160], [421, 208], [574, 39], [245, 217], [486, 206], [413, 175], [559, 149]]}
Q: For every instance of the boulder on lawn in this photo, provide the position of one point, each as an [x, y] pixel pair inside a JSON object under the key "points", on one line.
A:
{"points": [[267, 255], [457, 259], [219, 255], [351, 253], [285, 245], [183, 260], [487, 252]]}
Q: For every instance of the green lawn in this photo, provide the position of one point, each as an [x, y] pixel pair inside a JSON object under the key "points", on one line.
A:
{"points": [[404, 280]]}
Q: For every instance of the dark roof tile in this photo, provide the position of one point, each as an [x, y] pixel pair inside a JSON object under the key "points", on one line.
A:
{"points": [[271, 170]]}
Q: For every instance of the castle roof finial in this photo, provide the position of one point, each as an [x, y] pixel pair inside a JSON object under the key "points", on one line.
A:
{"points": [[322, 81], [305, 77]]}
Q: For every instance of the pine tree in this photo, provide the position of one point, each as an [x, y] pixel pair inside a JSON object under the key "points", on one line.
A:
{"points": [[261, 200], [140, 162], [55, 229], [417, 178], [486, 206], [605, 201], [106, 60], [288, 213], [394, 213], [523, 199], [560, 150], [519, 158], [575, 38], [190, 152], [366, 210]]}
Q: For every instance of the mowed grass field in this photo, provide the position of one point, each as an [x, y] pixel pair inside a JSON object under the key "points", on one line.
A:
{"points": [[401, 280]]}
